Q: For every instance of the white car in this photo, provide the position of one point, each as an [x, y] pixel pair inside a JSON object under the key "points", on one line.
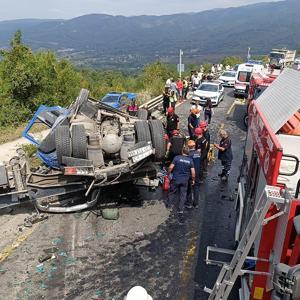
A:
{"points": [[228, 78], [210, 89], [297, 60]]}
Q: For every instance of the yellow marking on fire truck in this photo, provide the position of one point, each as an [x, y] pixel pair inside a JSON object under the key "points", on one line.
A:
{"points": [[8, 250], [258, 293]]}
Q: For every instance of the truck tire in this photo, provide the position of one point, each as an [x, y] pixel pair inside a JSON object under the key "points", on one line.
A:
{"points": [[83, 96], [142, 114], [62, 142], [79, 141], [142, 131], [48, 144], [158, 139]]}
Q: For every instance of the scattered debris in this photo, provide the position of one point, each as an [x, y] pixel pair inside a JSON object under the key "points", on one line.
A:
{"points": [[57, 241], [40, 268], [29, 221], [45, 257], [110, 213]]}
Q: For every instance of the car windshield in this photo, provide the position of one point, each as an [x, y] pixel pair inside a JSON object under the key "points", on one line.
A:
{"points": [[276, 55], [228, 74], [244, 76], [208, 88], [110, 98]]}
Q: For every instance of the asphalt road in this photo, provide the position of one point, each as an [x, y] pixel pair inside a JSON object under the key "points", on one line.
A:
{"points": [[149, 246]]}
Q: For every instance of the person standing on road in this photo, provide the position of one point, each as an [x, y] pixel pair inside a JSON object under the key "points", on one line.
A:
{"points": [[206, 134], [225, 154], [132, 108], [173, 99], [194, 190], [179, 88], [196, 105], [208, 111], [201, 146], [192, 123], [182, 170], [175, 145], [196, 81], [172, 122], [185, 88], [166, 99]]}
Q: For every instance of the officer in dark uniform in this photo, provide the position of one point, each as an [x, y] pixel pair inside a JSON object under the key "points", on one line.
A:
{"points": [[201, 146], [206, 134], [175, 145], [225, 154], [182, 170], [194, 190], [172, 121]]}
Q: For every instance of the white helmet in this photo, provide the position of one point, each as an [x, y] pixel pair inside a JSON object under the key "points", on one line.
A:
{"points": [[138, 293]]}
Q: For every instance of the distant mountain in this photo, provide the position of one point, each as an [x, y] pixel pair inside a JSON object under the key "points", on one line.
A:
{"points": [[112, 41]]}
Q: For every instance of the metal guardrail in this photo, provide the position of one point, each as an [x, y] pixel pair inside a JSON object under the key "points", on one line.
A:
{"points": [[153, 103]]}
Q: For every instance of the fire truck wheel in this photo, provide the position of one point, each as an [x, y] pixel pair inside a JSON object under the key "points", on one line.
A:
{"points": [[62, 142], [79, 143], [142, 131], [158, 140], [246, 121], [142, 114]]}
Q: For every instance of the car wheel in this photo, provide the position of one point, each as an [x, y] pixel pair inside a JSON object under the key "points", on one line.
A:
{"points": [[62, 142], [158, 138], [142, 131]]}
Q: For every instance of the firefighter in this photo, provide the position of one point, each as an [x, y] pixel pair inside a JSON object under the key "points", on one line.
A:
{"points": [[182, 170], [201, 146], [203, 125], [194, 190], [175, 145], [172, 121], [225, 154], [192, 123]]}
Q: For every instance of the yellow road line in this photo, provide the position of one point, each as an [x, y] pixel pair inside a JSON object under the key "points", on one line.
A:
{"points": [[8, 250], [231, 108]]}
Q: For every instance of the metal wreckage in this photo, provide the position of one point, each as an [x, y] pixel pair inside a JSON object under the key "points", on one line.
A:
{"points": [[90, 145]]}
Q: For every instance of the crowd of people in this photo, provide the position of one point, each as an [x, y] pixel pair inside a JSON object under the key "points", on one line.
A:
{"points": [[187, 156]]}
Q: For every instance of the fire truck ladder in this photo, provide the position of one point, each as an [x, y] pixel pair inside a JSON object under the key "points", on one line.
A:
{"points": [[230, 272]]}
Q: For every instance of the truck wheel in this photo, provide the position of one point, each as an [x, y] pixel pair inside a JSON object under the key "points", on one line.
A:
{"points": [[158, 138], [48, 144], [62, 142], [142, 131], [246, 120], [79, 144], [142, 114], [83, 96]]}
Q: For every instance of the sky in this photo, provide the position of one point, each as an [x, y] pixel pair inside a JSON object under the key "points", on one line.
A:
{"points": [[67, 9]]}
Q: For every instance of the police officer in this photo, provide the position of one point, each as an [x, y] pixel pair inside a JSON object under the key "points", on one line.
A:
{"points": [[175, 145], [201, 146], [182, 170], [225, 154], [194, 190], [206, 134], [172, 122]]}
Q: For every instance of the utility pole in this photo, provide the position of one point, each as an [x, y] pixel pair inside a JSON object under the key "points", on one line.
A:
{"points": [[180, 62], [248, 55]]}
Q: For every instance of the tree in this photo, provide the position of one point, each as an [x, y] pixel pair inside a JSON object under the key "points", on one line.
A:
{"points": [[231, 60]]}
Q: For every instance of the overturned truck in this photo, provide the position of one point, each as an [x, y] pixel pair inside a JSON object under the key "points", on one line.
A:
{"points": [[89, 146]]}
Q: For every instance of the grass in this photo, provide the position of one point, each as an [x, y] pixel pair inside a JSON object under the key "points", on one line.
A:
{"points": [[9, 134]]}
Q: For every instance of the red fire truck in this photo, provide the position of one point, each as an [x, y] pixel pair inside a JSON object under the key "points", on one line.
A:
{"points": [[258, 84], [268, 204]]}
